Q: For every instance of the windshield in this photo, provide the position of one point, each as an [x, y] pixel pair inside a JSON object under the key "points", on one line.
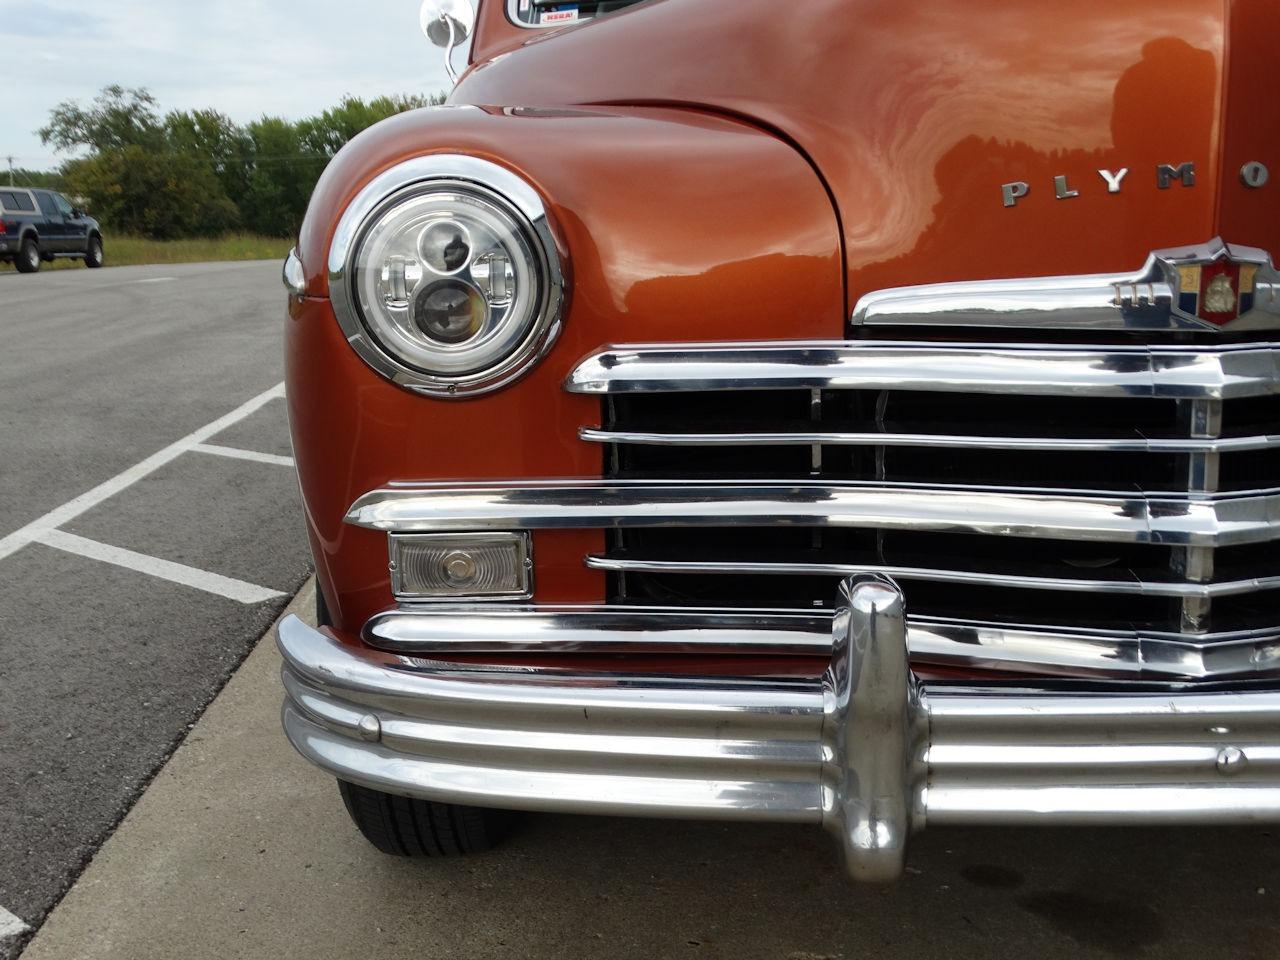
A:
{"points": [[554, 13]]}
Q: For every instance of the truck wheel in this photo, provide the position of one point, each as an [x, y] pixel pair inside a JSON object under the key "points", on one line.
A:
{"points": [[407, 827], [93, 257], [28, 260]]}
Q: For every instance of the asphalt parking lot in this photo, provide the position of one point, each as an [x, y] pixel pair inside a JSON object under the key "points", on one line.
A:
{"points": [[149, 532], [240, 849]]}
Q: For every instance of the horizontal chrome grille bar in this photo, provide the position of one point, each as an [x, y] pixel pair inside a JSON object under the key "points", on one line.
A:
{"points": [[1134, 586], [441, 632], [1172, 372], [566, 504], [445, 631], [807, 437], [1147, 299]]}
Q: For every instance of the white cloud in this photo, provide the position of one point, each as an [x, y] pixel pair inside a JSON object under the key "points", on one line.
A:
{"points": [[243, 57]]}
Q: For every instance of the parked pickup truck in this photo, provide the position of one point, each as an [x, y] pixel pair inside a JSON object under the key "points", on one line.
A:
{"points": [[848, 412], [39, 225]]}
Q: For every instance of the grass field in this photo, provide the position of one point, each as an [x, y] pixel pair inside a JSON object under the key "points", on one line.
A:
{"points": [[123, 251]]}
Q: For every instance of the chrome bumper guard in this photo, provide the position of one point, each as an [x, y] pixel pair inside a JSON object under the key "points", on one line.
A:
{"points": [[866, 750]]}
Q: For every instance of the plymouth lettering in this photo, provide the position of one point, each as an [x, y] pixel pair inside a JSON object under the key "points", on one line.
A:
{"points": [[1253, 174]]}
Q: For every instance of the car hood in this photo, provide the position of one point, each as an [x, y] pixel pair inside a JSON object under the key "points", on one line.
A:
{"points": [[916, 115]]}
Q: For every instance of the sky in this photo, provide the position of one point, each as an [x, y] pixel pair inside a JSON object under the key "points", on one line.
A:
{"points": [[247, 58]]}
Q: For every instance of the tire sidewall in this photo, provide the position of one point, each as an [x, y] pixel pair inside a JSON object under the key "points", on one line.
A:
{"points": [[94, 255], [28, 259]]}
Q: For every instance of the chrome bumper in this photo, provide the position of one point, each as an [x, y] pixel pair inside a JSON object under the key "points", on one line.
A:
{"points": [[865, 750]]}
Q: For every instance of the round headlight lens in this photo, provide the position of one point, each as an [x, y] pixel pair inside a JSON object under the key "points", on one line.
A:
{"points": [[445, 246], [449, 311], [454, 284]]}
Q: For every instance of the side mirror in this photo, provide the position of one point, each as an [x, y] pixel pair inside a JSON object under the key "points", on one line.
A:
{"points": [[447, 23]]}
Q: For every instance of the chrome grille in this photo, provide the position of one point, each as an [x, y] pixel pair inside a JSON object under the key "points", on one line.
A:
{"points": [[1123, 491]]}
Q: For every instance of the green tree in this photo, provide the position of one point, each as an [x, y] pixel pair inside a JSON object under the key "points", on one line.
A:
{"points": [[118, 117], [288, 158], [281, 174], [197, 172], [329, 132], [142, 175], [217, 139], [160, 194]]}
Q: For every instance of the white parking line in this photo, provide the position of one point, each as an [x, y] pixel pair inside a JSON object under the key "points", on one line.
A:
{"points": [[164, 569], [56, 517], [10, 926], [153, 280], [237, 453]]}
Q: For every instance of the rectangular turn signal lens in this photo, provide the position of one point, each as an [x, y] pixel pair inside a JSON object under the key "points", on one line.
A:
{"points": [[461, 566]]}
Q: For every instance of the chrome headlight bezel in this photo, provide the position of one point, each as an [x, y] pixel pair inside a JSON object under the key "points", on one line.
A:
{"points": [[495, 185]]}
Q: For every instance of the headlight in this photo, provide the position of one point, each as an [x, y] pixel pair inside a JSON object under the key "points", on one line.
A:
{"points": [[445, 277]]}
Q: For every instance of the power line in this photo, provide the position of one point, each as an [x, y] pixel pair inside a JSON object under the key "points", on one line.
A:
{"points": [[238, 158]]}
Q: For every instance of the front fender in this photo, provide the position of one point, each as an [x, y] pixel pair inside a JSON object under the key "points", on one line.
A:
{"points": [[674, 225]]}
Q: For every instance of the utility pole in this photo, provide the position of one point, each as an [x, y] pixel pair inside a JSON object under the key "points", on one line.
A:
{"points": [[10, 159]]}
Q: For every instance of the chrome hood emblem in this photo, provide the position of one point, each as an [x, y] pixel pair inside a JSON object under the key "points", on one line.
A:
{"points": [[1211, 286], [1216, 284]]}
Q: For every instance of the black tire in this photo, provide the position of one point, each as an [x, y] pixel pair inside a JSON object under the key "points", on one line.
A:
{"points": [[322, 610], [93, 255], [406, 827], [28, 259]]}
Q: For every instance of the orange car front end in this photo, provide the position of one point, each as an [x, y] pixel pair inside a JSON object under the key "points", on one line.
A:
{"points": [[865, 417]]}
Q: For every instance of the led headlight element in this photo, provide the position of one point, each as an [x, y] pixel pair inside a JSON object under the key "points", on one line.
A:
{"points": [[468, 566], [416, 289], [445, 277]]}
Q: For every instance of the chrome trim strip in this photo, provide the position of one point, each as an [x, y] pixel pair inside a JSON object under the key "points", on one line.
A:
{"points": [[863, 749], [438, 631], [1135, 586], [1143, 300], [1067, 653], [807, 437], [1190, 372], [442, 632], [1217, 520]]}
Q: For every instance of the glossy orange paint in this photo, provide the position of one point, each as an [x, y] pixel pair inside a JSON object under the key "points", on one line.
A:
{"points": [[737, 240], [1252, 127], [916, 113], [720, 171]]}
